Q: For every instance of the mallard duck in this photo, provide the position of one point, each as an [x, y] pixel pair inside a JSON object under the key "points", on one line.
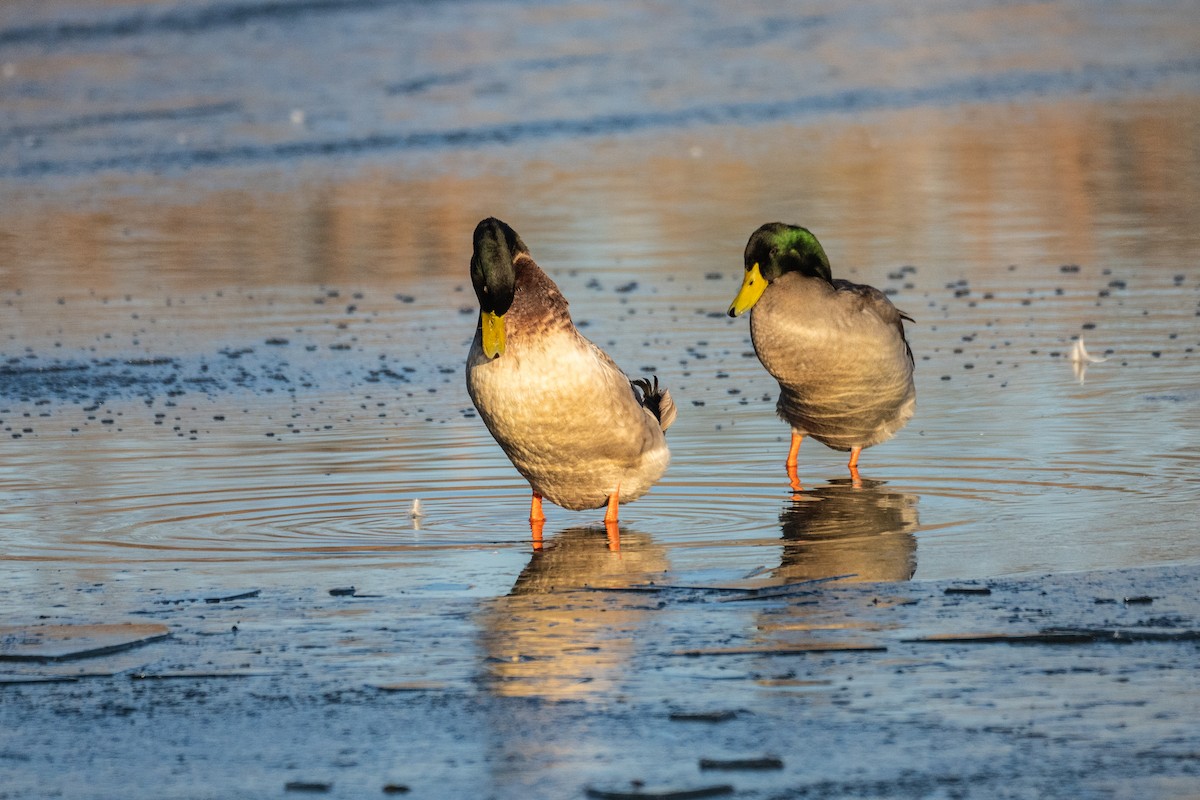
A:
{"points": [[568, 418], [837, 348]]}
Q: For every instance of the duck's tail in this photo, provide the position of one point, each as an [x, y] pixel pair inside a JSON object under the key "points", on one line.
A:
{"points": [[655, 400]]}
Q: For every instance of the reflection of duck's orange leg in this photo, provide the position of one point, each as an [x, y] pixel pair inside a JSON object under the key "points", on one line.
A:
{"points": [[614, 536], [535, 528], [854, 454], [794, 478]]}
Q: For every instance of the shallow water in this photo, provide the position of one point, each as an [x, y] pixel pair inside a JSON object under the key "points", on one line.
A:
{"points": [[235, 305]]}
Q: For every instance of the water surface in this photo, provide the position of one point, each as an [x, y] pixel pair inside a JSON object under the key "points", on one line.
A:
{"points": [[235, 304]]}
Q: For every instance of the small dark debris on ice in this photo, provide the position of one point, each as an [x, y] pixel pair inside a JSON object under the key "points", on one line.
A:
{"points": [[829, 689]]}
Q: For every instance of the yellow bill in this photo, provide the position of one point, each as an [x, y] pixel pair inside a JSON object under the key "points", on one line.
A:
{"points": [[493, 333], [753, 285]]}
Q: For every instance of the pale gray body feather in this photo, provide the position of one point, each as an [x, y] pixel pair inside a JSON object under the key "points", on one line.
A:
{"points": [[838, 351]]}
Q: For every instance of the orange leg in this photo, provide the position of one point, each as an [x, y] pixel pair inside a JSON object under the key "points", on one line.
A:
{"points": [[794, 450], [610, 521], [854, 454], [614, 499], [793, 460], [537, 520]]}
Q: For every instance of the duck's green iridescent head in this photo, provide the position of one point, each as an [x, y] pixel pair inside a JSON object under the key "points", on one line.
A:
{"points": [[773, 249], [494, 278]]}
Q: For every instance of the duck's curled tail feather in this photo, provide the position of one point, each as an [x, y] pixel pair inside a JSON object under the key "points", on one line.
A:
{"points": [[655, 400]]}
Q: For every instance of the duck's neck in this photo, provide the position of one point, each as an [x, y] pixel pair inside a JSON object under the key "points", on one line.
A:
{"points": [[538, 308]]}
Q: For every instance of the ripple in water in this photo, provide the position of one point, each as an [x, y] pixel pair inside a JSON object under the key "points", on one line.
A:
{"points": [[288, 454]]}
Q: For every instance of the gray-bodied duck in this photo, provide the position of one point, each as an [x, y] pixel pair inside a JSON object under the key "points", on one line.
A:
{"points": [[568, 418], [837, 348]]}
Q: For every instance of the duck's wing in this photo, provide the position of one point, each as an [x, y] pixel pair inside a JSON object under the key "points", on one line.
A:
{"points": [[874, 301], [650, 396]]}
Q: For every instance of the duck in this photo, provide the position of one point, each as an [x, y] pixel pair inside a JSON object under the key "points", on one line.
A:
{"points": [[837, 348], [573, 424]]}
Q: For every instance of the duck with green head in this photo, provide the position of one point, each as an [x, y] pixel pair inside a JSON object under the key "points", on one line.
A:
{"points": [[568, 418], [837, 348]]}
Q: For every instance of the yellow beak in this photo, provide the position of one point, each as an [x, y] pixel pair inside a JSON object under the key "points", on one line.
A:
{"points": [[753, 285], [493, 333]]}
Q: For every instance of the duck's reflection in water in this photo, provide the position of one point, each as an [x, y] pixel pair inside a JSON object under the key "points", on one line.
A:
{"points": [[849, 528], [554, 635]]}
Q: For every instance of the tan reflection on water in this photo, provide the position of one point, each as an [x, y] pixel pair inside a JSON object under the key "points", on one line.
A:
{"points": [[976, 188], [359, 230], [858, 529], [553, 637]]}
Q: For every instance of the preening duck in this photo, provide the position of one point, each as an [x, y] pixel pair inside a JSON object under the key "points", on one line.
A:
{"points": [[571, 422]]}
